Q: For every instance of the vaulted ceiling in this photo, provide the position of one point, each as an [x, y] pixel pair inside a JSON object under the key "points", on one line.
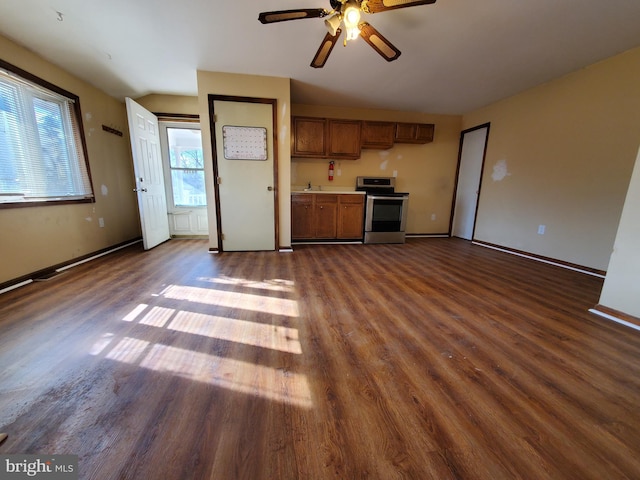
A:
{"points": [[457, 55]]}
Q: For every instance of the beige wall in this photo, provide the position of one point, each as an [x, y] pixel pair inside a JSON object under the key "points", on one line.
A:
{"points": [[569, 148], [621, 289], [249, 86], [35, 238], [427, 172], [159, 103]]}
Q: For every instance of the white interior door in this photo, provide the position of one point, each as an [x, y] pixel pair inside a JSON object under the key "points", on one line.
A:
{"points": [[472, 151], [246, 188], [147, 165]]}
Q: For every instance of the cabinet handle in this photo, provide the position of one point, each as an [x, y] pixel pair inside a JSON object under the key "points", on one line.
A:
{"points": [[321, 207]]}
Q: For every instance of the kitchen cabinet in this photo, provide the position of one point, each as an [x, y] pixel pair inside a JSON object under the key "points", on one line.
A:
{"points": [[414, 132], [350, 216], [325, 216], [344, 139], [378, 135], [302, 216], [326, 138], [309, 138]]}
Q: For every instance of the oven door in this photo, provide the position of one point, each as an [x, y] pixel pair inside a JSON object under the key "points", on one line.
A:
{"points": [[386, 213]]}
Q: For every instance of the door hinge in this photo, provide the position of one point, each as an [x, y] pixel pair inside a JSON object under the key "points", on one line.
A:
{"points": [[219, 179], [222, 236]]}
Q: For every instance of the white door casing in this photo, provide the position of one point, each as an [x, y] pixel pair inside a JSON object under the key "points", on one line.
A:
{"points": [[472, 150], [147, 166], [245, 188]]}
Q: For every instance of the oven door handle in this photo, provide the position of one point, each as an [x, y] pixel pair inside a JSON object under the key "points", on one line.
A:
{"points": [[387, 197]]}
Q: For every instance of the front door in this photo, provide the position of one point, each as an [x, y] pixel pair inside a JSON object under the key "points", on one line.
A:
{"points": [[184, 178], [147, 166], [245, 170], [473, 144]]}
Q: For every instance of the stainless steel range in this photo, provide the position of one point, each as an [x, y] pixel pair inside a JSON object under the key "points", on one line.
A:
{"points": [[385, 217]]}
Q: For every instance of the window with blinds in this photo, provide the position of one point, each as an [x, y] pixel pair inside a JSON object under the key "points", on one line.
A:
{"points": [[42, 148]]}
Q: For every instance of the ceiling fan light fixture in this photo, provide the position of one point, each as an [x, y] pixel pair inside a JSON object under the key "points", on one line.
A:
{"points": [[351, 16], [333, 23]]}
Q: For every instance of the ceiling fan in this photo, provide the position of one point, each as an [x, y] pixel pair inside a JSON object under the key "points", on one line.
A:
{"points": [[347, 12]]}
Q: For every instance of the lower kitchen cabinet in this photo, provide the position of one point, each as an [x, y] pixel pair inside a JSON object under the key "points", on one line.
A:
{"points": [[323, 216], [350, 216]]}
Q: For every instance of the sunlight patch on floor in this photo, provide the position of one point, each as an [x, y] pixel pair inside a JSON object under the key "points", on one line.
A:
{"points": [[221, 298], [277, 384], [275, 285], [273, 337]]}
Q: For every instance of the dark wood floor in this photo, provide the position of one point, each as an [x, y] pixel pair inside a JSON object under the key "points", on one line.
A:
{"points": [[436, 359]]}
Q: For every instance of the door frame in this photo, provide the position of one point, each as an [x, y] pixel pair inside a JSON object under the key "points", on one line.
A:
{"points": [[163, 125], [212, 126], [455, 190]]}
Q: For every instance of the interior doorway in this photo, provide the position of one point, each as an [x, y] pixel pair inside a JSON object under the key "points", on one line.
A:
{"points": [[244, 144], [183, 162], [473, 147]]}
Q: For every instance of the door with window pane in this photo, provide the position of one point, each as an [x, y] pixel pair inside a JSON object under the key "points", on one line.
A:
{"points": [[183, 160]]}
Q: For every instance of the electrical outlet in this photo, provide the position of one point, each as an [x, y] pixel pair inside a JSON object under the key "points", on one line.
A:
{"points": [[541, 229], [101, 222], [433, 217], [395, 173]]}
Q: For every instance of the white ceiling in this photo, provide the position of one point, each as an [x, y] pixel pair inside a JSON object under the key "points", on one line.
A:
{"points": [[457, 55]]}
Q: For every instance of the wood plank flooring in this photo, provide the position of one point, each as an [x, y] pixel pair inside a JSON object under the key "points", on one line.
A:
{"points": [[436, 359]]}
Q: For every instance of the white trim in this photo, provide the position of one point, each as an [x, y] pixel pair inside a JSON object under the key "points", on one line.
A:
{"points": [[531, 257], [329, 242], [67, 267], [17, 285], [427, 235], [614, 319]]}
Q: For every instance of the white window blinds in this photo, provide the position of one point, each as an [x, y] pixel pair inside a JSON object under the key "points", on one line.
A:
{"points": [[42, 157]]}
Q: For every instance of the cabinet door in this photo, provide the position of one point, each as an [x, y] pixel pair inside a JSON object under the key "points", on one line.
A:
{"points": [[309, 138], [378, 135], [350, 216], [301, 216], [414, 132], [405, 132], [325, 215], [424, 132], [344, 138]]}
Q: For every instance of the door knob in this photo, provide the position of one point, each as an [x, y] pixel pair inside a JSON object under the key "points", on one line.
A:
{"points": [[270, 188]]}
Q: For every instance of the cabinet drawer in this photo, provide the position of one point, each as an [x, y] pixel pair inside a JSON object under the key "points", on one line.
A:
{"points": [[302, 198], [352, 199], [323, 198]]}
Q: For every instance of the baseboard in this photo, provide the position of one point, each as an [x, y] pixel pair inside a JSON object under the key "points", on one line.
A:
{"points": [[616, 316], [427, 235], [539, 258], [50, 271]]}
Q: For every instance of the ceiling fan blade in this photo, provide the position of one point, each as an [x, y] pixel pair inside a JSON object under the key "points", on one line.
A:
{"points": [[325, 49], [380, 44], [375, 6], [284, 15]]}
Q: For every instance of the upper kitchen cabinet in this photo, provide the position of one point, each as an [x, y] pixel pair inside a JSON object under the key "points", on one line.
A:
{"points": [[344, 138], [309, 138], [378, 134], [414, 132], [326, 138]]}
